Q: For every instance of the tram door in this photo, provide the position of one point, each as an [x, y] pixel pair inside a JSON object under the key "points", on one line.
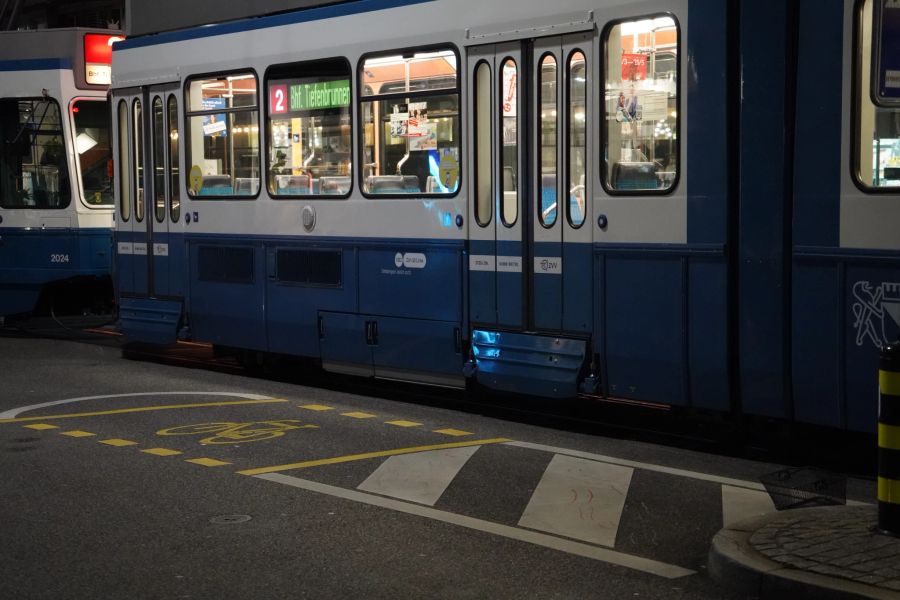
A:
{"points": [[153, 178], [130, 261], [530, 235]]}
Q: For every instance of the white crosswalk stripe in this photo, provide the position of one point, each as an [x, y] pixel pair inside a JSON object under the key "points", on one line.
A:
{"points": [[420, 477], [580, 499], [740, 504]]}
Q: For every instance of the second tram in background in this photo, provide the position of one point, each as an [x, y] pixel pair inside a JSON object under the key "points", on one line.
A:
{"points": [[684, 202], [56, 197]]}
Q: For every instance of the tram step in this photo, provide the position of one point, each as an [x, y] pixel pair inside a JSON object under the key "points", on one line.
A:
{"points": [[528, 363], [149, 320]]}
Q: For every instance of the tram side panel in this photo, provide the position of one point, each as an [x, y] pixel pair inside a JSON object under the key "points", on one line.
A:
{"points": [[846, 251], [662, 273]]}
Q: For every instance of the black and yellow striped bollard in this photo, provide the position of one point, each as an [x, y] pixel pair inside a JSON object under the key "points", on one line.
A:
{"points": [[889, 440]]}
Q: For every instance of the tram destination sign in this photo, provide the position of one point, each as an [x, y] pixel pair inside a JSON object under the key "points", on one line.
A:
{"points": [[287, 96]]}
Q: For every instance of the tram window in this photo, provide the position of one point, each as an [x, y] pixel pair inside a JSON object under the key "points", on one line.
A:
{"points": [[640, 131], [577, 79], [174, 176], [138, 143], [92, 145], [410, 135], [547, 144], [33, 166], [510, 150], [482, 144], [308, 122], [877, 155], [159, 160], [223, 135], [122, 168]]}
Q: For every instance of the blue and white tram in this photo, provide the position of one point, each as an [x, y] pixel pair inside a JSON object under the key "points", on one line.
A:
{"points": [[56, 199], [684, 202]]}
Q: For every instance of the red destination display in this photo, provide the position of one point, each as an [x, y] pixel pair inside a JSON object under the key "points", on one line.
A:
{"points": [[98, 57]]}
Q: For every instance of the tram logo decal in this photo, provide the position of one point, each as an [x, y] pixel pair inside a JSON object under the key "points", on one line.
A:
{"points": [[876, 312]]}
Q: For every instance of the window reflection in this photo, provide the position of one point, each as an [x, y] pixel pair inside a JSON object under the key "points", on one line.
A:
{"points": [[641, 124]]}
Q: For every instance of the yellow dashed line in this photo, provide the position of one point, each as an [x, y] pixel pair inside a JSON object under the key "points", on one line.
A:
{"points": [[40, 426], [207, 462], [161, 451], [118, 442], [318, 407], [123, 411], [402, 423], [358, 415], [78, 434], [453, 432]]}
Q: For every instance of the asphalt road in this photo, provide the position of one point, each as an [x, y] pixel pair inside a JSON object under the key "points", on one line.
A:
{"points": [[130, 479]]}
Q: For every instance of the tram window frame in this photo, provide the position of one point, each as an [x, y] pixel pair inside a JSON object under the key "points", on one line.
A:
{"points": [[123, 164], [481, 109], [139, 186], [860, 94], [601, 104], [410, 96], [325, 71], [171, 109], [58, 147], [74, 111], [189, 114], [569, 127], [158, 158], [546, 221], [512, 205]]}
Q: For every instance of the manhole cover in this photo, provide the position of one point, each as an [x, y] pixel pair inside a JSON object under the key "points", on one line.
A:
{"points": [[229, 519]]}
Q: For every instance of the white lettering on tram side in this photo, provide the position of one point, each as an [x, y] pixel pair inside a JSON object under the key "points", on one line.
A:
{"points": [[548, 264]]}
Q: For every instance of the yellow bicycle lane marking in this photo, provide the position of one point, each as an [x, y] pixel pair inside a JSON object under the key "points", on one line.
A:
{"points": [[119, 411], [232, 433]]}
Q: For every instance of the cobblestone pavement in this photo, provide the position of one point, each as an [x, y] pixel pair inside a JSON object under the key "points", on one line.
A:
{"points": [[834, 541]]}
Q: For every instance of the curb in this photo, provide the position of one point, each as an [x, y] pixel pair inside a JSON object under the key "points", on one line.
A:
{"points": [[734, 564]]}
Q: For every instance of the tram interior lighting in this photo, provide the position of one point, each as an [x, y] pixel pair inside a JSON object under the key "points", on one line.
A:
{"points": [[84, 142]]}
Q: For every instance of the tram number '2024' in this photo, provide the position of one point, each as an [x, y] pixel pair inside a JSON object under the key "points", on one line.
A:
{"points": [[59, 258]]}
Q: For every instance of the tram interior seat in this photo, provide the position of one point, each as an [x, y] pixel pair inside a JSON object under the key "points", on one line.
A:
{"points": [[295, 185], [393, 184], [246, 186], [216, 185], [509, 179], [334, 185], [548, 196], [634, 176]]}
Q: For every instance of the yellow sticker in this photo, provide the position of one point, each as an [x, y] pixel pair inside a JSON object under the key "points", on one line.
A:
{"points": [[449, 170], [196, 179]]}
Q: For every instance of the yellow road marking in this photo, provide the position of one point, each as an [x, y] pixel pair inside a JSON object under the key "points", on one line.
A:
{"points": [[161, 451], [40, 426], [453, 432], [118, 442], [207, 462], [402, 423], [367, 455], [78, 434], [358, 415], [318, 407], [141, 409]]}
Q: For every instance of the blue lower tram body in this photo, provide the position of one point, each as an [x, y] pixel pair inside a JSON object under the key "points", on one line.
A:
{"points": [[658, 322], [34, 260]]}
